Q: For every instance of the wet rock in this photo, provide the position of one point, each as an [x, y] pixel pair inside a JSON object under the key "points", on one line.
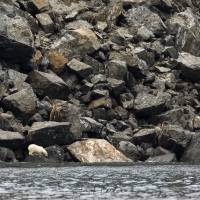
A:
{"points": [[68, 112], [174, 138], [96, 150], [57, 63], [15, 35], [189, 66], [145, 135], [55, 153], [129, 150], [45, 84], [146, 105], [7, 155], [22, 103], [167, 158], [142, 16], [49, 133], [81, 69], [191, 154], [11, 140]]}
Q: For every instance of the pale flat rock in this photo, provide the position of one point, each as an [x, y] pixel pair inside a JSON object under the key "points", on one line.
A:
{"points": [[96, 150]]}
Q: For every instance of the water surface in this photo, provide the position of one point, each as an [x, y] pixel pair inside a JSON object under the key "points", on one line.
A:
{"points": [[123, 181]]}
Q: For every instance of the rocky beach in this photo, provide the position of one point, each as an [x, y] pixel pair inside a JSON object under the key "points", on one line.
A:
{"points": [[100, 80]]}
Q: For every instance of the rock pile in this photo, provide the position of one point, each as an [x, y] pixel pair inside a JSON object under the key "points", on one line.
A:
{"points": [[125, 71]]}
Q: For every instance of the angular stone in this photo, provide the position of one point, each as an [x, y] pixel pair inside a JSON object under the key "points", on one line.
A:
{"points": [[50, 85], [49, 133], [126, 100], [142, 16], [22, 103], [57, 63], [46, 22], [104, 102], [11, 140], [147, 105], [41, 5], [96, 150], [117, 86], [145, 135], [196, 122], [7, 155], [16, 39], [167, 158], [174, 138], [192, 152], [116, 69], [129, 150], [67, 112], [190, 66], [81, 69], [55, 153]]}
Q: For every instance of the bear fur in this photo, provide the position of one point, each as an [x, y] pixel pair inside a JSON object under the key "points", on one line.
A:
{"points": [[35, 149]]}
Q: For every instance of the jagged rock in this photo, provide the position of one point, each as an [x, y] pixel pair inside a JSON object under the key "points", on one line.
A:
{"points": [[46, 22], [11, 140], [190, 66], [174, 138], [145, 135], [186, 28], [55, 153], [81, 69], [76, 44], [45, 84], [146, 105], [49, 133], [167, 158], [96, 150], [144, 34], [15, 35], [40, 5], [116, 69], [7, 155], [9, 123], [22, 103], [89, 125], [192, 154], [129, 150], [126, 100], [67, 112], [57, 63], [117, 86], [104, 102], [142, 16]]}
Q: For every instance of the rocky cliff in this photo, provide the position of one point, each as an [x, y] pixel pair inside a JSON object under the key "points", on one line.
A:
{"points": [[126, 71]]}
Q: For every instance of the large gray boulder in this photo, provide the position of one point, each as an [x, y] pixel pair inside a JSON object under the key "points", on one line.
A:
{"points": [[45, 84], [16, 39], [49, 133], [12, 140], [7, 155], [22, 103], [96, 150], [190, 66]]}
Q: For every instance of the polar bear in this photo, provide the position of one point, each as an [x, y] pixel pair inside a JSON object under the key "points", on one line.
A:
{"points": [[35, 149]]}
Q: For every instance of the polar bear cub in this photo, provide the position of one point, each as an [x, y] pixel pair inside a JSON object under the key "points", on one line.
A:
{"points": [[35, 149]]}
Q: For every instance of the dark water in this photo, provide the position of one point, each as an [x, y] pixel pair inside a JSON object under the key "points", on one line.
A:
{"points": [[135, 181]]}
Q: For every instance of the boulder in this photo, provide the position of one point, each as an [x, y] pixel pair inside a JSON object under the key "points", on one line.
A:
{"points": [[45, 84], [22, 103], [7, 155], [141, 16], [145, 135], [46, 22], [55, 153], [49, 133], [11, 140], [147, 105], [189, 66], [192, 152], [96, 150], [67, 112], [167, 158], [16, 38]]}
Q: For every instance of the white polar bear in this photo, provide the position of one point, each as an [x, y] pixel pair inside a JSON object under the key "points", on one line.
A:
{"points": [[35, 149]]}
